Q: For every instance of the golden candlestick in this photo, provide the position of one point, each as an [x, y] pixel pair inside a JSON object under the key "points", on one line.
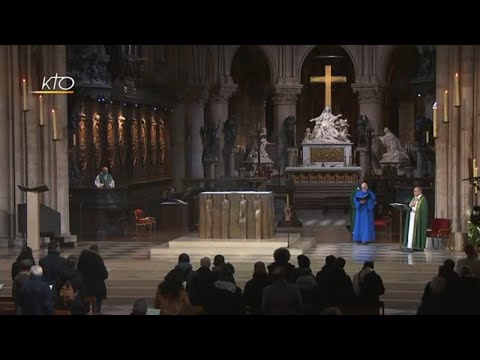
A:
{"points": [[435, 131]]}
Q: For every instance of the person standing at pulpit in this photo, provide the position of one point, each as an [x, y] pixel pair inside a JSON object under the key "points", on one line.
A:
{"points": [[364, 229], [415, 231], [104, 180]]}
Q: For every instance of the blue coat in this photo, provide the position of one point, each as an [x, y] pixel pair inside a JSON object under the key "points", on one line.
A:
{"points": [[364, 229]]}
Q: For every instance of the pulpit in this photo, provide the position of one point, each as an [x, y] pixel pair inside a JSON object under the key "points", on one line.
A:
{"points": [[236, 215], [33, 215]]}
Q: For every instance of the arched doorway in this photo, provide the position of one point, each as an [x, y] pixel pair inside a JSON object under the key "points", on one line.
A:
{"points": [[251, 104], [311, 101]]}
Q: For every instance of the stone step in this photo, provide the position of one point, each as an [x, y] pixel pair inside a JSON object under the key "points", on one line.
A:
{"points": [[403, 304]]}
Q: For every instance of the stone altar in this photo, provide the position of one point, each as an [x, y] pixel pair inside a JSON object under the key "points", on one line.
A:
{"points": [[259, 216], [327, 155]]}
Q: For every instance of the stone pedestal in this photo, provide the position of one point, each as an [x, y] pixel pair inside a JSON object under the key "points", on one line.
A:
{"points": [[209, 170], [253, 164], [398, 166], [364, 163], [292, 156], [33, 220], [327, 155]]}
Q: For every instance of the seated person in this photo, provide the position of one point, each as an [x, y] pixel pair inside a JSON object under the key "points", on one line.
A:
{"points": [[104, 179]]}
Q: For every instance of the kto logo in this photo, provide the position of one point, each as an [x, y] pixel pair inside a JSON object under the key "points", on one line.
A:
{"points": [[57, 85]]}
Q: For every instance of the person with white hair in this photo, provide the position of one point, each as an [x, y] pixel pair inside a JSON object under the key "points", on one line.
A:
{"points": [[35, 296]]}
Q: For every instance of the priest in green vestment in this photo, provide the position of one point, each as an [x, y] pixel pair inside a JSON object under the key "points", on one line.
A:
{"points": [[415, 231], [104, 180]]}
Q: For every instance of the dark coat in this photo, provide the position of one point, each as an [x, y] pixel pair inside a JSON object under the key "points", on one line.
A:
{"points": [[224, 298], [93, 271], [253, 292], [35, 297], [53, 266], [199, 284]]}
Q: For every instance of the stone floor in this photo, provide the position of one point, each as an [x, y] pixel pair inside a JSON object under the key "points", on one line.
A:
{"points": [[134, 274]]}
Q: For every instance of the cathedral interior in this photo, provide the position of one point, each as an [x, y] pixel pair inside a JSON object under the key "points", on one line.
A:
{"points": [[173, 121]]}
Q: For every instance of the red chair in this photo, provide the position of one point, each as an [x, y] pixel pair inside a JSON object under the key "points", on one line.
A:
{"points": [[441, 229], [384, 222], [148, 222]]}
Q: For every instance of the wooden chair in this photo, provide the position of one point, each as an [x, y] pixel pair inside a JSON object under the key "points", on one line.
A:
{"points": [[441, 229], [147, 222]]}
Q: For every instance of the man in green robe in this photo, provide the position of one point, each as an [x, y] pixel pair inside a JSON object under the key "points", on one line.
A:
{"points": [[415, 231], [104, 180]]}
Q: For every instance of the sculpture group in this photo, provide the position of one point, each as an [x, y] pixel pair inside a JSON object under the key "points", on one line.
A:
{"points": [[328, 129]]}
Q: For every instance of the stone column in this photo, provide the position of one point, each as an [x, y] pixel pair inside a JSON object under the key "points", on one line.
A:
{"points": [[406, 119], [420, 170], [60, 148], [197, 99], [468, 98], [442, 198], [218, 106], [285, 104], [177, 155], [371, 102]]}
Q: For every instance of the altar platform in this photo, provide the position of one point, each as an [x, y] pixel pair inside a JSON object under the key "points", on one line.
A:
{"points": [[323, 187], [237, 249]]}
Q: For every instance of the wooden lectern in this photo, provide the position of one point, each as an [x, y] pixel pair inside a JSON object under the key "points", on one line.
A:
{"points": [[33, 214], [402, 208]]}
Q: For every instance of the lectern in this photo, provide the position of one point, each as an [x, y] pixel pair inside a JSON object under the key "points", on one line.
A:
{"points": [[402, 208], [33, 214]]}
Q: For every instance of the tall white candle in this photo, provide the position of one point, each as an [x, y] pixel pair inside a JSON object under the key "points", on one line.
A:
{"points": [[40, 110], [24, 92], [54, 125], [445, 106], [457, 91]]}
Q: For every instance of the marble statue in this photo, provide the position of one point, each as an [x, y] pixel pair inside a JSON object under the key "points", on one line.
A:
{"points": [[257, 205], [263, 146], [328, 129], [242, 217], [395, 150], [225, 216], [208, 216]]}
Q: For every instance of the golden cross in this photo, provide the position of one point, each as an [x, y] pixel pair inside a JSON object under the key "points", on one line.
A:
{"points": [[328, 79]]}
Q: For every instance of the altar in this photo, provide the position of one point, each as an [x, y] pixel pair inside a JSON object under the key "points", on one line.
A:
{"points": [[236, 215], [327, 155]]}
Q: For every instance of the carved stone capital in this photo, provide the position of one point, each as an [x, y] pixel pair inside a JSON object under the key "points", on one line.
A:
{"points": [[196, 95], [286, 95], [222, 93], [369, 93]]}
